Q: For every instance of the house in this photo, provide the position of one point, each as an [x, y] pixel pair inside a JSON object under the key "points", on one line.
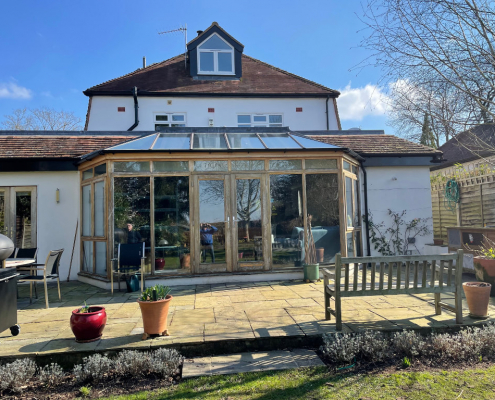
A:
{"points": [[219, 163]]}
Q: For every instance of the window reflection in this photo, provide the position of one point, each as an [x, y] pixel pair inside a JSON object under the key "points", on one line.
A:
{"points": [[249, 224]]}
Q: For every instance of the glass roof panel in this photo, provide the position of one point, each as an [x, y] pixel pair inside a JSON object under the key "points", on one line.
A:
{"points": [[279, 141], [143, 143], [214, 141], [173, 141], [244, 141], [313, 144]]}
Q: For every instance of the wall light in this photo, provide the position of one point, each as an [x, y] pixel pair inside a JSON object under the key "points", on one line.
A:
{"points": [[57, 195]]}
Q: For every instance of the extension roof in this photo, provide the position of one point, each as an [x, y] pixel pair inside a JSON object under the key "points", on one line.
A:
{"points": [[469, 145], [170, 78]]}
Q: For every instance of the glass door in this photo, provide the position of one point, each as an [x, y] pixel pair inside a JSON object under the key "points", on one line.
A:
{"points": [[249, 248], [212, 225]]}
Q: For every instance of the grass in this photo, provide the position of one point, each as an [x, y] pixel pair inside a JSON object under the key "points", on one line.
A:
{"points": [[318, 383]]}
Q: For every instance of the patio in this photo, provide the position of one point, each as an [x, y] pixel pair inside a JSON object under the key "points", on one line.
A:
{"points": [[213, 319]]}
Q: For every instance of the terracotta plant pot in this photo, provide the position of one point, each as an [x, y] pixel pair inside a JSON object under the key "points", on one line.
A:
{"points": [[438, 242], [88, 327], [155, 315], [241, 255], [185, 261], [477, 297], [159, 264], [320, 254], [485, 271]]}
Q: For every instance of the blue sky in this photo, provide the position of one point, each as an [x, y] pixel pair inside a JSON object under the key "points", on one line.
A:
{"points": [[53, 50]]}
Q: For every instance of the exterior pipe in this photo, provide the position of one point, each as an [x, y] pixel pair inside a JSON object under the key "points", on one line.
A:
{"points": [[366, 214], [326, 108], [136, 106]]}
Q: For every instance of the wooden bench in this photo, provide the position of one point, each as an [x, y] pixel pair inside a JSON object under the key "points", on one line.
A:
{"points": [[404, 275]]}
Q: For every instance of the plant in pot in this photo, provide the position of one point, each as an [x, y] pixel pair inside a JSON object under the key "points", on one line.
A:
{"points": [[87, 323], [311, 266], [154, 303]]}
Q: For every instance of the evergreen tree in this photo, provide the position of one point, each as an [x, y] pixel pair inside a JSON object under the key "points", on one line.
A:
{"points": [[427, 137]]}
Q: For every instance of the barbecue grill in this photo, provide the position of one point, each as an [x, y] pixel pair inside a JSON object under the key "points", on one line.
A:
{"points": [[8, 289]]}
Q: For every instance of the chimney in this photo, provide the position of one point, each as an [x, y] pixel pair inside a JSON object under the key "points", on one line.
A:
{"points": [[199, 32], [144, 62]]}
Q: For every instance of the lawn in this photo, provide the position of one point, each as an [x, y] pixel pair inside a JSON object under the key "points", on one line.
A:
{"points": [[318, 383]]}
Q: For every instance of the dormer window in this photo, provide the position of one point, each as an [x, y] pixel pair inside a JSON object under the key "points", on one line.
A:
{"points": [[215, 57]]}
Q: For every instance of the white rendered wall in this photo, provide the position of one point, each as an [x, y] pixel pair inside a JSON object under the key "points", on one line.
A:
{"points": [[56, 222], [105, 117], [398, 189]]}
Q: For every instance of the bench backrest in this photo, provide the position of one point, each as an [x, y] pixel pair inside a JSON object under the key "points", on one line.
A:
{"points": [[398, 274]]}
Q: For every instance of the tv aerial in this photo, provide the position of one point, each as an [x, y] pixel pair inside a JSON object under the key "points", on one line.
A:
{"points": [[182, 29]]}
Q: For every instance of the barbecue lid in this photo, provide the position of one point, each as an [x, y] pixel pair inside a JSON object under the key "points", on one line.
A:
{"points": [[6, 247]]}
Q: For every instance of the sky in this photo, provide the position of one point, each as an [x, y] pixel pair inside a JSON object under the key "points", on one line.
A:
{"points": [[53, 50]]}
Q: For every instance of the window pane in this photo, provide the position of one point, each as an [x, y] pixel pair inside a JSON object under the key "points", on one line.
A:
{"points": [[206, 61], [225, 62], [177, 125], [87, 257], [281, 141], [207, 166], [313, 144], [282, 165], [173, 141], [161, 127], [23, 219], [243, 119], [101, 258], [244, 141], [171, 223], [355, 209], [248, 165], [132, 213], [322, 194], [321, 164], [86, 210], [87, 174], [287, 235], [138, 144], [354, 169], [249, 222], [209, 141], [350, 245], [101, 169], [347, 166], [132, 166], [177, 118], [275, 119], [214, 43], [348, 194], [162, 117], [170, 166], [259, 118], [100, 208]]}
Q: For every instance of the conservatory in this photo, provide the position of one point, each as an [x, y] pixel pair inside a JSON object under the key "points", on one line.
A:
{"points": [[219, 200]]}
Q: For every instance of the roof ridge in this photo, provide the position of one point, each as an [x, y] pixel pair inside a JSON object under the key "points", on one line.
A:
{"points": [[134, 72], [292, 75]]}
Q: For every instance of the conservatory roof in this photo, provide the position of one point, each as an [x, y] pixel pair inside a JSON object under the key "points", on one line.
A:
{"points": [[223, 140]]}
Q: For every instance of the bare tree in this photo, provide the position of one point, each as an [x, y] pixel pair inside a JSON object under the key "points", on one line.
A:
{"points": [[445, 51], [41, 119]]}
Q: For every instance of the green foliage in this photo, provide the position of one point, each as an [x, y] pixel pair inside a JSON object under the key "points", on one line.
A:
{"points": [[84, 309], [394, 240], [155, 293], [84, 391], [406, 363], [427, 137], [486, 250], [460, 172]]}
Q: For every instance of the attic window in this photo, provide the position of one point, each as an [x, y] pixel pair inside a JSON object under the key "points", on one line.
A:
{"points": [[215, 57]]}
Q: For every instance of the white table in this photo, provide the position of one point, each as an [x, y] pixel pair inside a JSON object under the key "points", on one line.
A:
{"points": [[18, 262]]}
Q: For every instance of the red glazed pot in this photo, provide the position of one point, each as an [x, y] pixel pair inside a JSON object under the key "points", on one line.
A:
{"points": [[159, 264], [88, 327]]}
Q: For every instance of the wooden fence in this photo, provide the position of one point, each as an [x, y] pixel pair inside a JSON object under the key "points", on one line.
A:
{"points": [[476, 206]]}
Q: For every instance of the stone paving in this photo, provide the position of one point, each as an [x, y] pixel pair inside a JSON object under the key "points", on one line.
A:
{"points": [[213, 314]]}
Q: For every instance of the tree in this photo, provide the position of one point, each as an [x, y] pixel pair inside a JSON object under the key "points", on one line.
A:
{"points": [[427, 138], [41, 119], [445, 51]]}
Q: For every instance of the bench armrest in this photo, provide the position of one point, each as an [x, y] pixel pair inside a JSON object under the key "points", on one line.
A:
{"points": [[328, 273]]}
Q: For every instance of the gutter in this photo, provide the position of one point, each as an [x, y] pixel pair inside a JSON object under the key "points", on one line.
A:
{"points": [[366, 214], [136, 107]]}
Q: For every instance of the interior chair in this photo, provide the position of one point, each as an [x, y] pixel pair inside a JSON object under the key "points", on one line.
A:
{"points": [[130, 261], [50, 271]]}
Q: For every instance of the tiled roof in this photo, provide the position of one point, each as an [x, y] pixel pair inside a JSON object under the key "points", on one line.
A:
{"points": [[54, 146], [376, 144], [170, 76]]}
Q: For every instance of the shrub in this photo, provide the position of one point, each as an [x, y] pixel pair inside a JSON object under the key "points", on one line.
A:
{"points": [[17, 374], [132, 362], [166, 362], [340, 348], [51, 375], [406, 363], [409, 343], [94, 367], [85, 391], [374, 346], [463, 346]]}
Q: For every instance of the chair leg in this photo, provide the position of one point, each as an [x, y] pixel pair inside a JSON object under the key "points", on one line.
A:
{"points": [[59, 293], [111, 281], [46, 293], [30, 292], [338, 312]]}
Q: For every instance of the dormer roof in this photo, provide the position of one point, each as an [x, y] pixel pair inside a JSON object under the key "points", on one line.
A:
{"points": [[214, 28]]}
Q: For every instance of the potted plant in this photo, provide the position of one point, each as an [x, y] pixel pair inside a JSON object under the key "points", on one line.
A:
{"points": [[154, 303], [477, 297], [87, 323], [484, 262], [311, 266]]}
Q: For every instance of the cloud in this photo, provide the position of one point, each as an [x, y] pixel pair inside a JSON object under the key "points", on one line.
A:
{"points": [[357, 103], [13, 91]]}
